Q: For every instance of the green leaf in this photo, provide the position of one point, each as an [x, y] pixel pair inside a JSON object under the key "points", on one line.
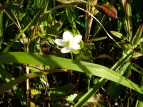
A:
{"points": [[85, 67], [75, 51], [138, 35], [114, 90], [97, 39], [34, 91], [74, 97], [137, 54], [71, 98], [118, 35], [139, 102], [102, 81], [123, 59], [24, 40], [93, 90], [136, 68]]}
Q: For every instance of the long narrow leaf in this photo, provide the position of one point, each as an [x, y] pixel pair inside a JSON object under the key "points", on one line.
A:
{"points": [[102, 81], [93, 90], [85, 67], [22, 78], [139, 102], [138, 35]]}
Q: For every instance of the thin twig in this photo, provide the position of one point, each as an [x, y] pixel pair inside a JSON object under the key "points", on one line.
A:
{"points": [[100, 24], [27, 50], [27, 86], [11, 19]]}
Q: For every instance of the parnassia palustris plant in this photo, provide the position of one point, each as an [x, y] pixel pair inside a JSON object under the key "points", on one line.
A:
{"points": [[107, 9]]}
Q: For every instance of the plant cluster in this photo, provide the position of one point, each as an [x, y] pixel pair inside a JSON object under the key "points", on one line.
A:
{"points": [[71, 53]]}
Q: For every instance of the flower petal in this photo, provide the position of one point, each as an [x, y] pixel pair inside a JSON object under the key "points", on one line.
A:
{"points": [[75, 47], [66, 50], [59, 42], [77, 38], [67, 35]]}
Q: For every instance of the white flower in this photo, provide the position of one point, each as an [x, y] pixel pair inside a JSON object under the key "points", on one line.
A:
{"points": [[69, 42]]}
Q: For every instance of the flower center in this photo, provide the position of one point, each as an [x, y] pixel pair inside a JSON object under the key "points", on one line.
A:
{"points": [[69, 43]]}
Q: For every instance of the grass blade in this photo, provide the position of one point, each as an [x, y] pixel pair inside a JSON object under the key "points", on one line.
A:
{"points": [[85, 67]]}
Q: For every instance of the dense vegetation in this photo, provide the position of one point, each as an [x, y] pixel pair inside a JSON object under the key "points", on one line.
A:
{"points": [[99, 65]]}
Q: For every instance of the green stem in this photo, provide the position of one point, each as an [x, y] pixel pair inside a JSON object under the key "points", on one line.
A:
{"points": [[1, 27]]}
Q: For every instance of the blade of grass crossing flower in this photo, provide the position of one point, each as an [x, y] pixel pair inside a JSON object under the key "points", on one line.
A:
{"points": [[85, 67]]}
